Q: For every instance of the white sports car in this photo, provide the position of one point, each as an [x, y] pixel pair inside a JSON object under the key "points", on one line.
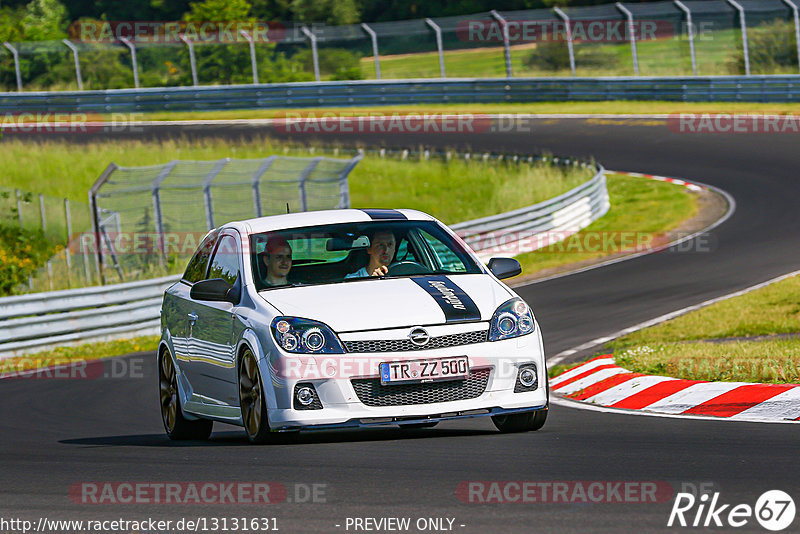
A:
{"points": [[345, 318]]}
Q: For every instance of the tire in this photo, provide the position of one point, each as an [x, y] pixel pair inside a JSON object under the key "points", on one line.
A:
{"points": [[520, 422], [175, 424], [420, 425], [251, 400]]}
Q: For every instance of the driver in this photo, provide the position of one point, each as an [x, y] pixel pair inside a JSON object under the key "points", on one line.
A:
{"points": [[277, 258], [381, 250]]}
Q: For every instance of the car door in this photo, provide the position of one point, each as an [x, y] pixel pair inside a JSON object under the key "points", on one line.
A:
{"points": [[212, 347], [178, 308]]}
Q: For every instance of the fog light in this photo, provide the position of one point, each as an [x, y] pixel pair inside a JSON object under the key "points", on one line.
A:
{"points": [[527, 377], [305, 396]]}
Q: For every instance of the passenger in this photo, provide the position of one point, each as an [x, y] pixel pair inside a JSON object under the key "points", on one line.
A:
{"points": [[381, 253], [277, 258]]}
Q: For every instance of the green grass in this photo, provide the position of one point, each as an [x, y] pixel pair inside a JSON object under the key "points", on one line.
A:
{"points": [[769, 361], [659, 57], [774, 309], [641, 212], [78, 353], [453, 191], [675, 348]]}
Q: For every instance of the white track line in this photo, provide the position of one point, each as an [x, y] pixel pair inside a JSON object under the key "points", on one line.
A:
{"points": [[660, 319], [731, 209]]}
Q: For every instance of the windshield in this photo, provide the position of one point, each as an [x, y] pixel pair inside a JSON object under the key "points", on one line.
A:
{"points": [[337, 253]]}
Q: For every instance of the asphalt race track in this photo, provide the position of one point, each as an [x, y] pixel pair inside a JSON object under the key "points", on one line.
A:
{"points": [[58, 433]]}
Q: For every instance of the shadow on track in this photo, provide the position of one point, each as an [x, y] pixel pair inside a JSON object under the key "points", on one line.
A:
{"points": [[299, 438]]}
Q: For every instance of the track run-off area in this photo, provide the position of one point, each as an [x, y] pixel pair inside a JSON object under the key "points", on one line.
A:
{"points": [[60, 436]]}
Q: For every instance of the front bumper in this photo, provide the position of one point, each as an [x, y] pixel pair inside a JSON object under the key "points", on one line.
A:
{"points": [[410, 420], [343, 408]]}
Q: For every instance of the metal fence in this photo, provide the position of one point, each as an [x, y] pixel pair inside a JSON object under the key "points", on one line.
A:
{"points": [[60, 222], [376, 93], [39, 321], [147, 219], [675, 38]]}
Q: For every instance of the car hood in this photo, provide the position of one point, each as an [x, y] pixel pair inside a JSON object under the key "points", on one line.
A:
{"points": [[379, 303]]}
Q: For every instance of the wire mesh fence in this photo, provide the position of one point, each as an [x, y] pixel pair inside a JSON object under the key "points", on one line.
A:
{"points": [[49, 227], [149, 220], [667, 38]]}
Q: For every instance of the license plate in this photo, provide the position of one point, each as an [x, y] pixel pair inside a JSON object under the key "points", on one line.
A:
{"points": [[454, 368]]}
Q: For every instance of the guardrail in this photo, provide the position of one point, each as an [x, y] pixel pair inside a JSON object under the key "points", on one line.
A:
{"points": [[768, 88], [42, 320], [536, 226], [39, 321]]}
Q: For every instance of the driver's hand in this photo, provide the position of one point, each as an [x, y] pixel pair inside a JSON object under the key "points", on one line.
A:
{"points": [[380, 271]]}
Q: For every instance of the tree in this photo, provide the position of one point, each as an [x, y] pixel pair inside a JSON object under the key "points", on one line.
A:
{"points": [[329, 11], [218, 11], [44, 20]]}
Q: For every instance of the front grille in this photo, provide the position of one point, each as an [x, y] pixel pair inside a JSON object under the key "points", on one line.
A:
{"points": [[372, 393], [405, 345]]}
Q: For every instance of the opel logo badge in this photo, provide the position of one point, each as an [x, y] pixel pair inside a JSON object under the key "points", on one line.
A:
{"points": [[419, 337]]}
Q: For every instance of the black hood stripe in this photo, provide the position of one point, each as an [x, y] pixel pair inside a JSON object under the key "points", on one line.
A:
{"points": [[456, 305], [385, 215]]}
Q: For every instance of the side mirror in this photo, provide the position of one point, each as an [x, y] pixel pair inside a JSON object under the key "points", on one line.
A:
{"points": [[216, 290], [504, 267]]}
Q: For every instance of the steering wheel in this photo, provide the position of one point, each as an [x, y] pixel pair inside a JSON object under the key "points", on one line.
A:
{"points": [[402, 268]]}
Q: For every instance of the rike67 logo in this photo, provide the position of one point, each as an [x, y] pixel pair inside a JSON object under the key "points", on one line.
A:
{"points": [[774, 510]]}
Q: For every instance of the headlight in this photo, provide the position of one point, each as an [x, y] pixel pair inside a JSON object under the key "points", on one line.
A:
{"points": [[303, 336], [512, 319]]}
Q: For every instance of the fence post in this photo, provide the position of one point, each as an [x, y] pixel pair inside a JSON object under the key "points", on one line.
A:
{"points": [[301, 182], [253, 63], [570, 47], [19, 206], [439, 46], [344, 186], [42, 214], [134, 65], [192, 61], [506, 43], [158, 217], [743, 23], [256, 181], [793, 7], [374, 37], [16, 65], [690, 30], [314, 57], [207, 198], [67, 255], [631, 34], [77, 62], [95, 212]]}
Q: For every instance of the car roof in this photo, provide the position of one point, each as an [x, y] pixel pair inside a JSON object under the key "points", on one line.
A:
{"points": [[314, 218]]}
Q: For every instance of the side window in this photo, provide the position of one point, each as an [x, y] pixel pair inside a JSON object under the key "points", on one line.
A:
{"points": [[447, 259], [405, 252], [196, 270], [225, 264]]}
